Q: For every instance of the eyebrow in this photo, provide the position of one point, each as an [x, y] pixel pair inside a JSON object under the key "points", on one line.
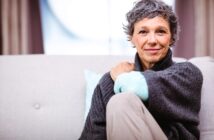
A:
{"points": [[160, 27], [163, 27]]}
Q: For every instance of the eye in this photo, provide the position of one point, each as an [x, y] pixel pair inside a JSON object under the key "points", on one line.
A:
{"points": [[143, 32], [161, 32]]}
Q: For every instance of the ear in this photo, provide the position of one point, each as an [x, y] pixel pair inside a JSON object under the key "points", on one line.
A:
{"points": [[132, 42], [130, 38], [171, 42]]}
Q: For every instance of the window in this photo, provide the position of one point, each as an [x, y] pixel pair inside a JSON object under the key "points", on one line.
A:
{"points": [[91, 27]]}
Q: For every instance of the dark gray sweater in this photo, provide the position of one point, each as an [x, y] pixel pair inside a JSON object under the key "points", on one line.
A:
{"points": [[174, 100]]}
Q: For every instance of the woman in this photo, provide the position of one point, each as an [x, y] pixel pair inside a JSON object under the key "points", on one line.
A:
{"points": [[154, 98]]}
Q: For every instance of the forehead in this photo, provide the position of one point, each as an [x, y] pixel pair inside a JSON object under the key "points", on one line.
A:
{"points": [[152, 22]]}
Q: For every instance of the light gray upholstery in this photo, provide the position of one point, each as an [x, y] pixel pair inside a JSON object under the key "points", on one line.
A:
{"points": [[42, 97], [206, 65]]}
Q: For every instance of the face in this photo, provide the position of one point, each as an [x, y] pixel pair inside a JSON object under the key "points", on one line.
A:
{"points": [[152, 38]]}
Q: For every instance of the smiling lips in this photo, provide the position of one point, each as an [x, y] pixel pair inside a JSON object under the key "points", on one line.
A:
{"points": [[152, 51]]}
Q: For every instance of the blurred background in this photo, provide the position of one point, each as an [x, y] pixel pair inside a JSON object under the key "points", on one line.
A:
{"points": [[94, 27]]}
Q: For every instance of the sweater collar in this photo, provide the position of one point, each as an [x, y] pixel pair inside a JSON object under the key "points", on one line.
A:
{"points": [[161, 65]]}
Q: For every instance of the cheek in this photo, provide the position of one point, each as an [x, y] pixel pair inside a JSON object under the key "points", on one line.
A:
{"points": [[165, 41], [138, 42]]}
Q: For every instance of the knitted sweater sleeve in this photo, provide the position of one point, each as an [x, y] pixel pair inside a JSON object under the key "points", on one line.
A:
{"points": [[95, 125], [175, 93], [174, 98]]}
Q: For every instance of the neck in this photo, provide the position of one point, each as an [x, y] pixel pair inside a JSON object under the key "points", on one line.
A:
{"points": [[147, 66]]}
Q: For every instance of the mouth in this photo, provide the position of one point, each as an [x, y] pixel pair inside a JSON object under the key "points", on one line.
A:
{"points": [[152, 50]]}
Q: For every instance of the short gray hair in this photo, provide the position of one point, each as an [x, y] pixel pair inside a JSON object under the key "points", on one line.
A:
{"points": [[150, 9]]}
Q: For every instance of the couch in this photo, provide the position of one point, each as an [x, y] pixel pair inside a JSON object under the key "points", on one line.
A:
{"points": [[42, 97]]}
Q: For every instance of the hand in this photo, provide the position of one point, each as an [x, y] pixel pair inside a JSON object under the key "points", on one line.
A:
{"points": [[133, 82], [121, 68]]}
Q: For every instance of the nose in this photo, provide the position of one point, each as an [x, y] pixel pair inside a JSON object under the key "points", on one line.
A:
{"points": [[152, 39]]}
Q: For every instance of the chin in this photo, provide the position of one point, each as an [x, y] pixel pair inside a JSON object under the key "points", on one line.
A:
{"points": [[153, 59]]}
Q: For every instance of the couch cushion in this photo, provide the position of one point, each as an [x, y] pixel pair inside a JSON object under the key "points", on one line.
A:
{"points": [[43, 97], [206, 65]]}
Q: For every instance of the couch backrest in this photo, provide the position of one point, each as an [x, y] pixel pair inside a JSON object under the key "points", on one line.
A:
{"points": [[206, 65], [43, 97]]}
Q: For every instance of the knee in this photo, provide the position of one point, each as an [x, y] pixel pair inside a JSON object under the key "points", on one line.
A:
{"points": [[120, 102]]}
